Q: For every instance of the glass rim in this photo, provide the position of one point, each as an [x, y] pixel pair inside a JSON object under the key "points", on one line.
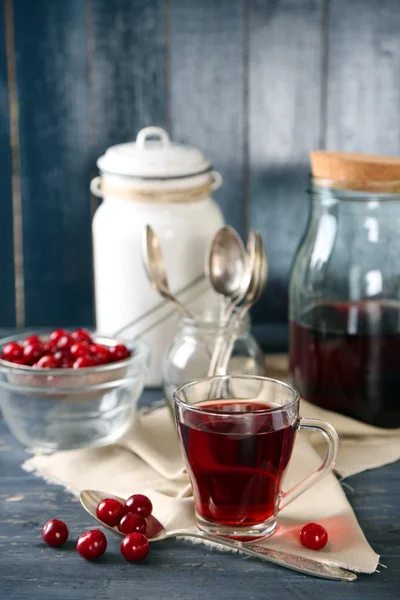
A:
{"points": [[198, 409]]}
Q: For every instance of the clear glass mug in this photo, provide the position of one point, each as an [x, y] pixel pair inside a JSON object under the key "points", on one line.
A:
{"points": [[237, 449]]}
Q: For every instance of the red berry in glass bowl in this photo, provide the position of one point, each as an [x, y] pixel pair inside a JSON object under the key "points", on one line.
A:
{"points": [[32, 353], [109, 511], [48, 361], [12, 351], [65, 341], [131, 523], [55, 532], [56, 335], [32, 339], [85, 361], [119, 352], [68, 363], [138, 504], [82, 335], [91, 544], [134, 546], [79, 349], [313, 536], [102, 353]]}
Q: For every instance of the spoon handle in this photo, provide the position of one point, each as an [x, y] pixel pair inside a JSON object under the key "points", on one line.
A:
{"points": [[284, 559]]}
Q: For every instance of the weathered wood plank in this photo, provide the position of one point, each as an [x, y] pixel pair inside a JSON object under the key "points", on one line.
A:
{"points": [[363, 87], [51, 66], [127, 51], [7, 285], [284, 125], [207, 90]]}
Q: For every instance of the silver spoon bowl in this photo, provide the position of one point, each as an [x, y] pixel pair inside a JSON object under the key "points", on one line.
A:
{"points": [[154, 264], [156, 533]]}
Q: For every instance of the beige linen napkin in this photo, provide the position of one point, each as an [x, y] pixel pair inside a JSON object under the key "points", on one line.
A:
{"points": [[148, 460]]}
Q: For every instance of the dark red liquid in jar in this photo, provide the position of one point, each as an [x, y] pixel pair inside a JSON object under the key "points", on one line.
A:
{"points": [[346, 358], [236, 462]]}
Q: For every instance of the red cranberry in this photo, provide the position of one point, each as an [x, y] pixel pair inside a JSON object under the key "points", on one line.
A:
{"points": [[82, 335], [101, 352], [85, 361], [131, 523], [32, 339], [109, 511], [32, 353], [12, 351], [48, 348], [135, 546], [313, 536], [118, 352], [55, 532], [138, 504], [62, 355], [65, 341], [68, 363], [80, 349], [21, 361], [56, 335], [48, 361], [91, 544]]}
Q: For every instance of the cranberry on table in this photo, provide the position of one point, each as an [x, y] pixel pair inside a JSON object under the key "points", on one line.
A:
{"points": [[110, 511], [55, 532], [32, 353], [91, 544], [134, 546], [102, 353], [85, 361], [138, 504], [48, 361], [82, 335], [133, 523], [119, 352], [313, 536], [12, 351]]}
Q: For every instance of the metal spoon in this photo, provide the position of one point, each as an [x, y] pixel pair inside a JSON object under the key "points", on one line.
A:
{"points": [[155, 268], [257, 284], [226, 269], [156, 532]]}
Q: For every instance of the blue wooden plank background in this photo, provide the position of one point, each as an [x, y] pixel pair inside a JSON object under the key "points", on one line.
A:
{"points": [[256, 84], [7, 287]]}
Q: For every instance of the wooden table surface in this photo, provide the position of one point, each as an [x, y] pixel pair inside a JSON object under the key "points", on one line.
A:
{"points": [[174, 569]]}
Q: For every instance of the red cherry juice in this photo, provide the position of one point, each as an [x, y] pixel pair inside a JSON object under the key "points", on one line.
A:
{"points": [[236, 460], [345, 357]]}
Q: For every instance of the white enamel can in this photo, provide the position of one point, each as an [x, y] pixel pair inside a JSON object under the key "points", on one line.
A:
{"points": [[168, 186]]}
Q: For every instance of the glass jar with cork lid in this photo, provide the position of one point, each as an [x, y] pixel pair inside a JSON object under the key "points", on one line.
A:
{"points": [[345, 289]]}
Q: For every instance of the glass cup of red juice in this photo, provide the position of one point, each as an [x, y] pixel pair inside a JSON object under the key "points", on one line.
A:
{"points": [[237, 436]]}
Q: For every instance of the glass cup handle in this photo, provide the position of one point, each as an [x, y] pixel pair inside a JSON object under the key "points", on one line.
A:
{"points": [[326, 467]]}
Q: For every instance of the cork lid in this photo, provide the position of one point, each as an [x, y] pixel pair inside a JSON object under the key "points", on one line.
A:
{"points": [[355, 171]]}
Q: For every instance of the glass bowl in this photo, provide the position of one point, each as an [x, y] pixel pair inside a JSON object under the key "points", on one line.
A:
{"points": [[62, 409]]}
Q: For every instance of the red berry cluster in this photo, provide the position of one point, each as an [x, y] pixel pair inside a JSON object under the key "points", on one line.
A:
{"points": [[130, 519], [63, 350]]}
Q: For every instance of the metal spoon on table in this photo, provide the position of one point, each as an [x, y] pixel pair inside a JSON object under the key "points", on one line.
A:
{"points": [[156, 533], [156, 272], [257, 284], [226, 270]]}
